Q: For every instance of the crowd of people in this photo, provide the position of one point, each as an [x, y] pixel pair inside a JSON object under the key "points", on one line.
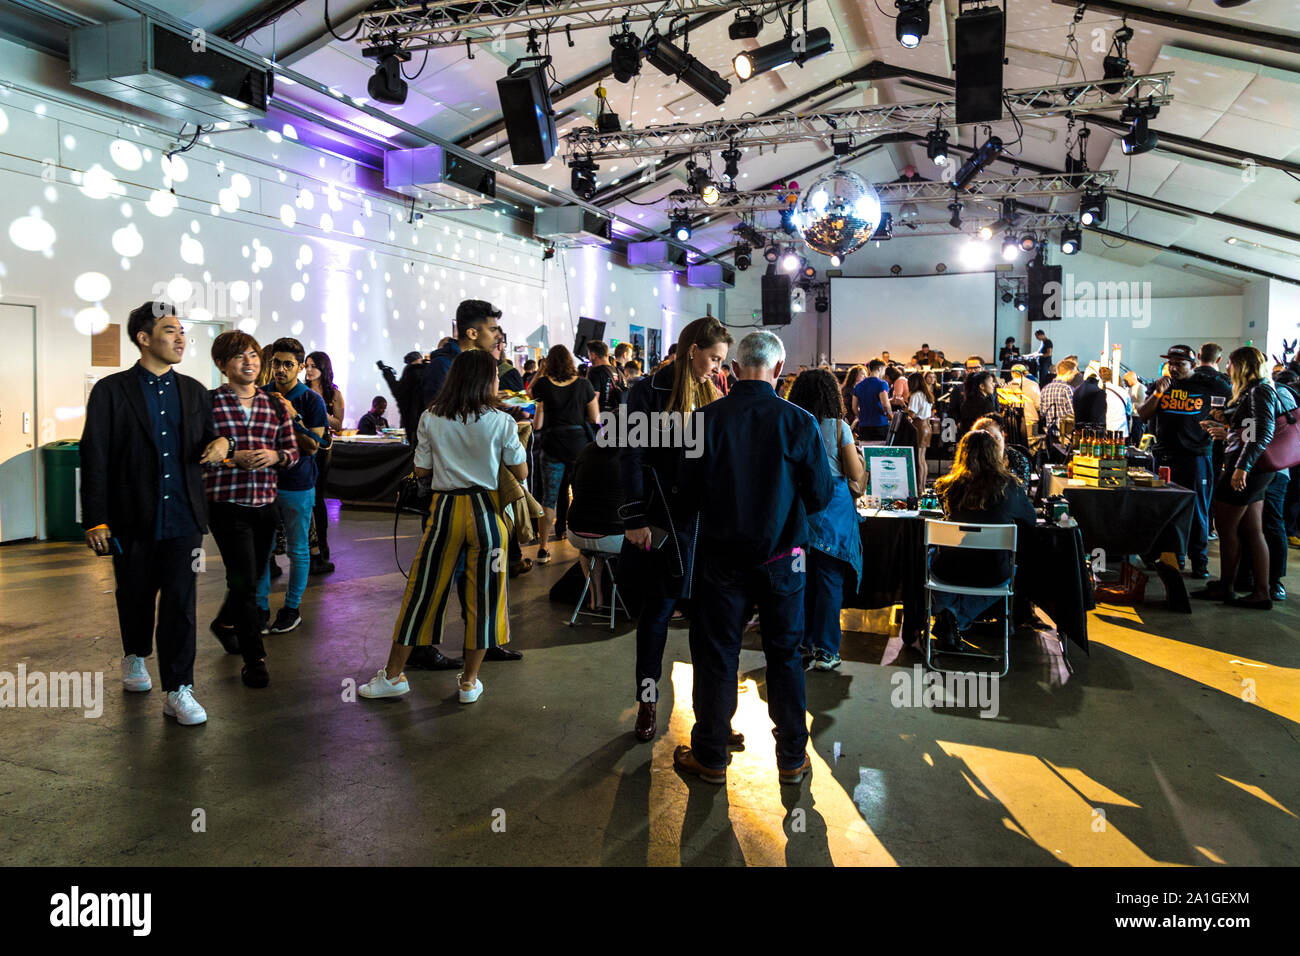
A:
{"points": [[762, 522]]}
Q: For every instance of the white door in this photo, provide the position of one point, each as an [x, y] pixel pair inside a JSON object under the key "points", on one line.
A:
{"points": [[198, 352], [17, 422]]}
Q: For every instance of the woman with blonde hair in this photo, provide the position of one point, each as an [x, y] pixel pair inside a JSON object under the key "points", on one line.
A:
{"points": [[658, 543], [1247, 426]]}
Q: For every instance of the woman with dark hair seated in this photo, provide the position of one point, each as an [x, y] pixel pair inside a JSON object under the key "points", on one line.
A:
{"points": [[979, 397], [1017, 463], [834, 544], [978, 490]]}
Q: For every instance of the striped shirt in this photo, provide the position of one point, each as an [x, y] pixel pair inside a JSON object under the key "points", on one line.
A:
{"points": [[1057, 402], [262, 426]]}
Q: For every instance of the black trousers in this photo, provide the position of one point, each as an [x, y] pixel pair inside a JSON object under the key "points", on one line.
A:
{"points": [[245, 536], [159, 574], [318, 510]]}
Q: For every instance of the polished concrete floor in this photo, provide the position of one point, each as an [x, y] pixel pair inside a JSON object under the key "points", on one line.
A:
{"points": [[1174, 743]]}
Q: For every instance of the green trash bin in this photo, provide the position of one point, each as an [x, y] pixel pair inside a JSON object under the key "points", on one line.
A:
{"points": [[62, 462]]}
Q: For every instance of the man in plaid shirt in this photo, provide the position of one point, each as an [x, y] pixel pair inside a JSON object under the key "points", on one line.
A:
{"points": [[1057, 399], [241, 494]]}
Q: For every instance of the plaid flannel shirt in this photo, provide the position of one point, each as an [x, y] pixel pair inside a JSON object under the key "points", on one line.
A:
{"points": [[1057, 402], [264, 428]]}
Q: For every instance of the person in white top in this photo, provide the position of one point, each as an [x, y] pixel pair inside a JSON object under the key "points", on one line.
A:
{"points": [[920, 407], [1137, 392], [1118, 404], [464, 439]]}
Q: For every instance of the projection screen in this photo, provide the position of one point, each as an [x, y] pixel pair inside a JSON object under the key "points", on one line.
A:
{"points": [[955, 313]]}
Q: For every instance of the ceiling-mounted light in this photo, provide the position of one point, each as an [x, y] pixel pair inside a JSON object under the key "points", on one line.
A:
{"points": [[731, 163], [976, 162], [387, 85], [745, 26], [789, 261], [985, 232], [667, 57], [912, 23], [1140, 138], [1010, 249], [1092, 208], [1071, 240], [936, 146], [884, 229], [679, 223], [744, 256], [955, 209], [626, 58], [796, 48], [836, 261], [582, 177], [1028, 241], [1021, 302], [771, 253], [809, 270], [1006, 298]]}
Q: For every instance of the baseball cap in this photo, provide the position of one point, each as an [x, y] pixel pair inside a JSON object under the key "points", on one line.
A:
{"points": [[1184, 353]]}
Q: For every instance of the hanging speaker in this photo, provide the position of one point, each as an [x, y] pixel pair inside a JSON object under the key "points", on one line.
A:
{"points": [[527, 113], [1043, 282], [776, 299], [981, 34]]}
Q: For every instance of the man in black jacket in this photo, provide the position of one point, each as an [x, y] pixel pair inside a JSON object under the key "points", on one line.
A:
{"points": [[761, 472], [148, 429]]}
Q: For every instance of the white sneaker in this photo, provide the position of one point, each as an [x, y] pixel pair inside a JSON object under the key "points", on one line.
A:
{"points": [[134, 675], [182, 705], [471, 695], [381, 686]]}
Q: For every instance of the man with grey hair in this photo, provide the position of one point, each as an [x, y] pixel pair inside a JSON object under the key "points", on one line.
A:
{"points": [[761, 472]]}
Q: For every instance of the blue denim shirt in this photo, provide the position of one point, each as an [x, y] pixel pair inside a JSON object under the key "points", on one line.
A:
{"points": [[163, 400], [834, 529]]}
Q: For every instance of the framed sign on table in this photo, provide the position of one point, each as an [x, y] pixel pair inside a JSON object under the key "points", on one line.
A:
{"points": [[891, 471]]}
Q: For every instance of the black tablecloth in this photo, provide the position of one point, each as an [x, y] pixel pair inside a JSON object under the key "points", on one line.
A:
{"points": [[1133, 520], [1050, 572], [367, 471]]}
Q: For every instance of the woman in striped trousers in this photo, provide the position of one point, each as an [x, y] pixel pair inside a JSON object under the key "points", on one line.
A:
{"points": [[464, 438]]}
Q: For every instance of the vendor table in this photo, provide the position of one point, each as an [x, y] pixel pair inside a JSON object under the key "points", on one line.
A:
{"points": [[367, 470], [1050, 572]]}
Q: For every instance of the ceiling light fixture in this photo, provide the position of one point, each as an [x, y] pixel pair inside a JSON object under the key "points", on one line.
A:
{"points": [[955, 209], [1140, 138], [626, 58], [680, 224], [731, 163], [675, 61], [771, 253], [745, 26], [1021, 303], [936, 146], [1092, 208], [582, 176], [387, 85], [793, 48], [1010, 249], [1071, 240], [744, 256], [976, 162], [912, 23], [789, 261]]}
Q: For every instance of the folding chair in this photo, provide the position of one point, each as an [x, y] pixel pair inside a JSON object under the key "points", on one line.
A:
{"points": [[596, 562], [973, 537]]}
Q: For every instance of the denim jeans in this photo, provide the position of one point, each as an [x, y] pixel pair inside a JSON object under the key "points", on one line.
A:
{"points": [[721, 604], [823, 599], [295, 512], [1194, 473]]}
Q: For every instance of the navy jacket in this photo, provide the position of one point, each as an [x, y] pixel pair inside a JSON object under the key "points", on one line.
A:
{"points": [[761, 472], [436, 372], [647, 471]]}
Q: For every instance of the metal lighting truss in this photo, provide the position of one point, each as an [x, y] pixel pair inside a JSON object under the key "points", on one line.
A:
{"points": [[1068, 99], [426, 26], [992, 190], [1027, 221]]}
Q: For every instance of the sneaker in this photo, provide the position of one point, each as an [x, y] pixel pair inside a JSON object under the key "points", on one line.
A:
{"points": [[286, 620], [182, 705], [255, 674], [264, 618], [543, 556], [807, 653], [320, 565], [225, 633], [471, 695], [135, 677], [826, 661], [380, 686], [1213, 536]]}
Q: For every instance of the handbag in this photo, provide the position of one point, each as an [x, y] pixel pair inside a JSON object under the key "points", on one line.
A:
{"points": [[1283, 451]]}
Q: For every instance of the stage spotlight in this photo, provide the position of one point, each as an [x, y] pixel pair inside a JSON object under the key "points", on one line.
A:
{"points": [[771, 253], [710, 194], [885, 228], [1092, 208], [1007, 297], [1140, 138], [1028, 242], [731, 163], [668, 58], [745, 26], [387, 85], [787, 221], [809, 271], [955, 209], [626, 58], [797, 48], [913, 22], [936, 146], [1010, 249], [975, 254], [790, 262], [976, 162], [679, 223], [836, 261], [744, 257], [1021, 303], [822, 303], [582, 177], [1071, 240], [985, 232]]}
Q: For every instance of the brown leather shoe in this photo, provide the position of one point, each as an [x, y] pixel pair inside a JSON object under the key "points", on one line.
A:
{"points": [[736, 739], [645, 722], [685, 761], [796, 776]]}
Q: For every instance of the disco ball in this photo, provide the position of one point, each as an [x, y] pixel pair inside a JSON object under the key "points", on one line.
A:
{"points": [[838, 213]]}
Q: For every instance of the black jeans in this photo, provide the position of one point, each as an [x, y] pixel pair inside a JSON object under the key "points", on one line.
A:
{"points": [[161, 573], [318, 510], [244, 535], [722, 597]]}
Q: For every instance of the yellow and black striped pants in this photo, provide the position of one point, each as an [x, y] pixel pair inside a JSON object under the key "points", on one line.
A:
{"points": [[459, 522]]}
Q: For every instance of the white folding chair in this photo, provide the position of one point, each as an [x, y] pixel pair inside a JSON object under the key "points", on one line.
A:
{"points": [[597, 561], [973, 537]]}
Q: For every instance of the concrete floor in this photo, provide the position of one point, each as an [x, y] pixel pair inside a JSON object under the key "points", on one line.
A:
{"points": [[1146, 754]]}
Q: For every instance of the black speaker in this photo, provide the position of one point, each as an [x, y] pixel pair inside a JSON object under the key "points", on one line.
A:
{"points": [[1043, 282], [776, 299], [528, 116], [589, 330], [980, 37]]}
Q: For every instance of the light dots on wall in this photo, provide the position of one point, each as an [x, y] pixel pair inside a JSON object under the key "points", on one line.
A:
{"points": [[296, 328], [92, 286], [296, 292], [32, 233], [191, 250], [91, 320], [358, 230], [194, 226], [98, 183], [162, 203], [305, 254], [288, 131], [239, 291], [51, 194], [174, 168], [200, 314], [179, 289], [326, 222], [305, 198], [69, 142], [126, 154], [288, 216], [248, 325], [4, 122], [228, 199]]}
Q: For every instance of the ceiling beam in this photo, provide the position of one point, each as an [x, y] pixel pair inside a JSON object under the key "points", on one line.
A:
{"points": [[1188, 23], [1162, 206], [1187, 146], [1193, 254], [245, 25]]}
